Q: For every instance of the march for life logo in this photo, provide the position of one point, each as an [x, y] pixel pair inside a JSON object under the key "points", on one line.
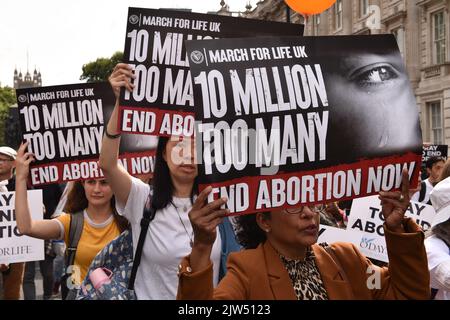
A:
{"points": [[15, 247]]}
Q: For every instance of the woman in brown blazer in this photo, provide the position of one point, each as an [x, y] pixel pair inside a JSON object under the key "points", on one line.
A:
{"points": [[283, 261]]}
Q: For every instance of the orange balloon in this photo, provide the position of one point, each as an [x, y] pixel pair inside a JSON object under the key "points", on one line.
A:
{"points": [[308, 7]]}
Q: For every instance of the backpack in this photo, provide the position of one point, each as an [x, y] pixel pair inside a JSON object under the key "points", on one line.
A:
{"points": [[117, 258], [68, 287]]}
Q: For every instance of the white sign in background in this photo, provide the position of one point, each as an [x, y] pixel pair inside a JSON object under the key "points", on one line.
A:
{"points": [[365, 226], [13, 246]]}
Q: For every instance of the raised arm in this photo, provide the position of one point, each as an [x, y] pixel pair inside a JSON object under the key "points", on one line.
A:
{"points": [[118, 178], [42, 229], [196, 280]]}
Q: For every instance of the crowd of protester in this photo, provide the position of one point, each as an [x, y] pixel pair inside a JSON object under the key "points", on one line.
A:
{"points": [[192, 250]]}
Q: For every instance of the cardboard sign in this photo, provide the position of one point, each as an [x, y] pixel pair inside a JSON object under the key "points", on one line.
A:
{"points": [[301, 120], [15, 247], [162, 101], [64, 126]]}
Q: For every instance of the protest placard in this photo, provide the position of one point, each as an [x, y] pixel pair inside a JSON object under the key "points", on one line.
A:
{"points": [[162, 101], [434, 150], [15, 247], [295, 121], [64, 126]]}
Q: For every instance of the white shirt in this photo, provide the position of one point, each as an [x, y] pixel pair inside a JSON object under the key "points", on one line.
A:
{"points": [[416, 195], [439, 265], [167, 243]]}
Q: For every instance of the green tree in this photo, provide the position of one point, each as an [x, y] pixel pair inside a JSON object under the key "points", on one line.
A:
{"points": [[7, 98], [100, 69]]}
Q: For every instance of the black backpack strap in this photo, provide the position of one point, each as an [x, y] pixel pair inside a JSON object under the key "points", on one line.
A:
{"points": [[423, 191], [75, 231], [148, 215]]}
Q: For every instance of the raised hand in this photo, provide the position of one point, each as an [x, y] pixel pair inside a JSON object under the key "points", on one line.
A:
{"points": [[395, 204]]}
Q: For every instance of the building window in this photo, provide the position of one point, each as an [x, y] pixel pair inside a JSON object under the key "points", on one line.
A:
{"points": [[363, 8], [439, 46], [316, 19], [435, 116], [400, 36], [338, 14]]}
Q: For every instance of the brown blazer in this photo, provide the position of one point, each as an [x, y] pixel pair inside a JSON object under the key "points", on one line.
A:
{"points": [[259, 274]]}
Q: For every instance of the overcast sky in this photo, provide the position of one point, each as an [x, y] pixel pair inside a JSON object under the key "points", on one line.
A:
{"points": [[61, 35]]}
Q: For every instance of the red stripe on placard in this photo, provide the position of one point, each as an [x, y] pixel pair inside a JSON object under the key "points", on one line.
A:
{"points": [[316, 186]]}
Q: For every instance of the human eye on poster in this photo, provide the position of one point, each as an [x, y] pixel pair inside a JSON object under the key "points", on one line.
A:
{"points": [[162, 102], [64, 126], [302, 120]]}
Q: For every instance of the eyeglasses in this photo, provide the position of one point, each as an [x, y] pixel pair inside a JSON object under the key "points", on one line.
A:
{"points": [[316, 209]]}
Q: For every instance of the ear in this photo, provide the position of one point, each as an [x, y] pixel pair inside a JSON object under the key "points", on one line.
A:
{"points": [[263, 222]]}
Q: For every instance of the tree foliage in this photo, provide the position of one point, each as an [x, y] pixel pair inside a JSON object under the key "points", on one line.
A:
{"points": [[7, 98], [100, 69]]}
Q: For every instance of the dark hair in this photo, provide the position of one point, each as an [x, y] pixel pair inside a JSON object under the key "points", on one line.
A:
{"points": [[162, 182], [77, 202], [442, 231], [433, 160], [248, 232]]}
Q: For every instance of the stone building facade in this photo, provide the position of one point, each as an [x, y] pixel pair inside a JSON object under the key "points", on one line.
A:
{"points": [[422, 29]]}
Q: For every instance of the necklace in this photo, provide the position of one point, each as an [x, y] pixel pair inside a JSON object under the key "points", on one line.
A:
{"points": [[191, 241]]}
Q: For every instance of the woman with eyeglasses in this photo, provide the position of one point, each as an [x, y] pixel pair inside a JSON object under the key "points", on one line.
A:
{"points": [[283, 261]]}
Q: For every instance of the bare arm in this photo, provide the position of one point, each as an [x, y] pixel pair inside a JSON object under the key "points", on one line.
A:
{"points": [[42, 229], [118, 178]]}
